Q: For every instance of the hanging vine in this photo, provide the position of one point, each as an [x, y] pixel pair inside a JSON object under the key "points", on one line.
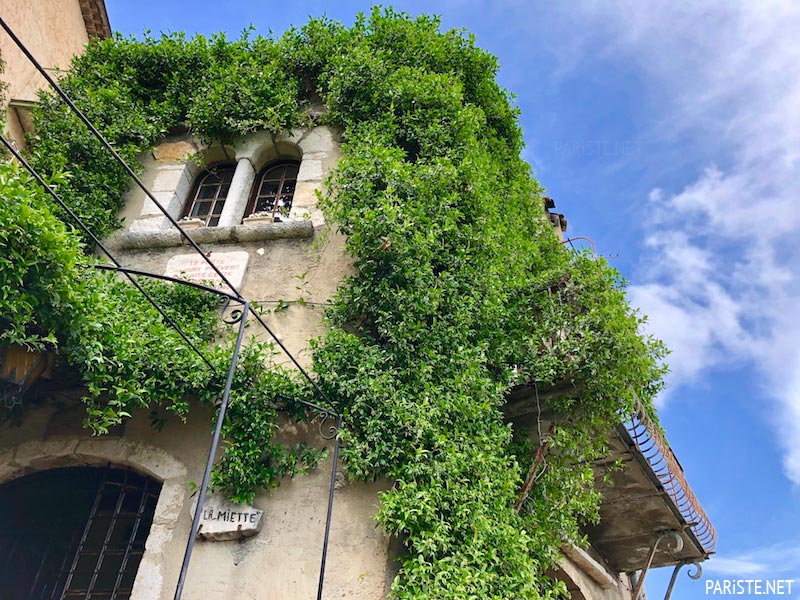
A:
{"points": [[460, 291]]}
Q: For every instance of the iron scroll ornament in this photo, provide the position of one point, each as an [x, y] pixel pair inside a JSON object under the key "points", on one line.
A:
{"points": [[696, 575]]}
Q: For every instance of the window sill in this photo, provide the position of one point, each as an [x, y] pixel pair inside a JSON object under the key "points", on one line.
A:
{"points": [[250, 232]]}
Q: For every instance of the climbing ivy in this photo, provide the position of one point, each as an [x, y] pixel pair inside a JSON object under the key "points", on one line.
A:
{"points": [[461, 291]]}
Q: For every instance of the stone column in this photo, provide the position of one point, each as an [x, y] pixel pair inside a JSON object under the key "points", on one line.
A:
{"points": [[238, 194]]}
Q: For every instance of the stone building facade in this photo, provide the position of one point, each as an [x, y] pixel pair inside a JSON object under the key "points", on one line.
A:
{"points": [[253, 208], [54, 31]]}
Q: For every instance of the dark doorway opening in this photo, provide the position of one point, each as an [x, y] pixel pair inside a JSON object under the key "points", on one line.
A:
{"points": [[74, 533]]}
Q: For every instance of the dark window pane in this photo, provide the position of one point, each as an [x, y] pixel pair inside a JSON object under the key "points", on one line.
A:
{"points": [[201, 209], [276, 189], [211, 187], [109, 571], [269, 188], [207, 191], [122, 532], [108, 500], [150, 504], [98, 530], [84, 571], [264, 205], [131, 501]]}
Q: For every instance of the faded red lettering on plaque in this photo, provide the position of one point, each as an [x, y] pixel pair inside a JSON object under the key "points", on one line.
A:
{"points": [[192, 267]]}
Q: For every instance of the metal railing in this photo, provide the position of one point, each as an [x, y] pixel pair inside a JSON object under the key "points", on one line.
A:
{"points": [[651, 444]]}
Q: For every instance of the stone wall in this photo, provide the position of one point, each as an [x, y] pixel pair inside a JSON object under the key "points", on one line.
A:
{"points": [[299, 262], [281, 562]]}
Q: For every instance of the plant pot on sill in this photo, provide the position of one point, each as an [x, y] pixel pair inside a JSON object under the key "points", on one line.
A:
{"points": [[191, 223], [258, 218], [20, 367]]}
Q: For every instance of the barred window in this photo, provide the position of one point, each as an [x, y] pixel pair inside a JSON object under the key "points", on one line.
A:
{"points": [[74, 533]]}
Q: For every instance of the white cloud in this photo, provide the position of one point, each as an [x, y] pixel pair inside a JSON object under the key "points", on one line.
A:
{"points": [[736, 567], [773, 561], [720, 277]]}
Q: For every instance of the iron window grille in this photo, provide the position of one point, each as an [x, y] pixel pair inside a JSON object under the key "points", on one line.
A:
{"points": [[74, 533]]}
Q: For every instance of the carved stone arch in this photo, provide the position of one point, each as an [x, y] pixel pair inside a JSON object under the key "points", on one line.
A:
{"points": [[575, 592], [262, 148], [35, 456]]}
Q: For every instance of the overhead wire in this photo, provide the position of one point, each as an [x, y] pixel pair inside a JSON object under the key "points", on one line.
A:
{"points": [[171, 322], [131, 173]]}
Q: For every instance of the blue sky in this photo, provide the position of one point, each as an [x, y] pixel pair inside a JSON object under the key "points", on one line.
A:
{"points": [[669, 133]]}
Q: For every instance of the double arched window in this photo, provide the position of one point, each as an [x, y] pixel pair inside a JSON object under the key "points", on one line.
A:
{"points": [[271, 194]]}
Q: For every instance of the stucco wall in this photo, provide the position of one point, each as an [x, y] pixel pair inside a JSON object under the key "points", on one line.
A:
{"points": [[54, 31], [281, 562]]}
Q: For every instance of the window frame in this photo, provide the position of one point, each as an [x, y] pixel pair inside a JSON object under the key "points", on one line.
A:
{"points": [[199, 182], [255, 195]]}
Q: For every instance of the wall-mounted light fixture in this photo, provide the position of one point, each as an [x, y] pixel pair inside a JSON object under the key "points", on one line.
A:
{"points": [[19, 369]]}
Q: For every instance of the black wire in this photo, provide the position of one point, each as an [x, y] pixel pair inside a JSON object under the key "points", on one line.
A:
{"points": [[110, 148], [149, 194], [105, 250]]}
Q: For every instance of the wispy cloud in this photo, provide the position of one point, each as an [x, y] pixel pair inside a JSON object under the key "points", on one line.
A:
{"points": [[774, 561], [720, 279]]}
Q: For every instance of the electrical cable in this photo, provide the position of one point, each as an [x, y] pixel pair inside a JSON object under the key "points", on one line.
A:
{"points": [[149, 194]]}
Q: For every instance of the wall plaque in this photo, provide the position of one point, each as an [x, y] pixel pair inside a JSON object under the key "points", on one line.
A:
{"points": [[225, 520], [192, 267]]}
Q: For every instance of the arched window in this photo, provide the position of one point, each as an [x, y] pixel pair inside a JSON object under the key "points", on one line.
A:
{"points": [[74, 533], [209, 194], [274, 190]]}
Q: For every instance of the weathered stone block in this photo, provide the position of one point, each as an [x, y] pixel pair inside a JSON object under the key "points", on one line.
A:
{"points": [[310, 170], [173, 151]]}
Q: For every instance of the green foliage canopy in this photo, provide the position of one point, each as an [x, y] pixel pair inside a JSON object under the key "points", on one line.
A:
{"points": [[460, 291]]}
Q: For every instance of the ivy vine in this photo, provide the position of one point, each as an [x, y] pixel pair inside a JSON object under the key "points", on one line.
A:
{"points": [[461, 291]]}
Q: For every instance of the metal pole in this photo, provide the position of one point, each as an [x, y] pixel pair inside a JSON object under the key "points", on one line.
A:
{"points": [[697, 575], [211, 453], [330, 510]]}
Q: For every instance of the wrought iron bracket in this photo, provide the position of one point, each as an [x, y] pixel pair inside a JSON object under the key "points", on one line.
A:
{"points": [[664, 535], [696, 575]]}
